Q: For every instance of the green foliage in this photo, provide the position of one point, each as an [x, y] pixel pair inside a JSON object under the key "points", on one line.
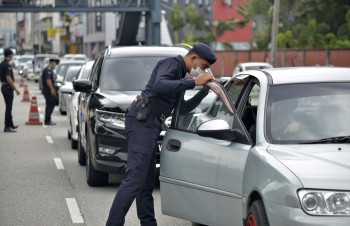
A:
{"points": [[228, 46], [176, 21], [286, 39], [67, 18], [344, 30], [312, 35]]}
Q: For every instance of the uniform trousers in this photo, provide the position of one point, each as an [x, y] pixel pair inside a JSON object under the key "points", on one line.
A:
{"points": [[140, 173], [50, 104], [7, 92]]}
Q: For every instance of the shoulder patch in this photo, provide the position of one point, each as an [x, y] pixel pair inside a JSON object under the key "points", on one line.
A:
{"points": [[10, 68]]}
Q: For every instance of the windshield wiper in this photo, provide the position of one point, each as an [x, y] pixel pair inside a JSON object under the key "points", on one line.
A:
{"points": [[340, 139]]}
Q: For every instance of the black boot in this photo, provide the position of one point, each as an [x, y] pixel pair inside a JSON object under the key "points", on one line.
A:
{"points": [[14, 126], [9, 129]]}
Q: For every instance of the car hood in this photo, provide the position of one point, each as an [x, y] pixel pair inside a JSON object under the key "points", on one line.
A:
{"points": [[116, 101], [319, 166]]}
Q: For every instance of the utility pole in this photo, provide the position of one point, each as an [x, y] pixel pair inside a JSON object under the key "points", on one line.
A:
{"points": [[39, 37], [275, 22]]}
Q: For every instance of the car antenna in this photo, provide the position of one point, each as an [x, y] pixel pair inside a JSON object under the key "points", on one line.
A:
{"points": [[292, 62]]}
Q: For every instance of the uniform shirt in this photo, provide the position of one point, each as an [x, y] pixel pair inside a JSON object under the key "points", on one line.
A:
{"points": [[5, 69], [166, 83], [47, 73]]}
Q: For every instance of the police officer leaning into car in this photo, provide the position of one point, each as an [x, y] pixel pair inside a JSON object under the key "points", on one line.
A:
{"points": [[48, 82], [7, 88], [160, 95]]}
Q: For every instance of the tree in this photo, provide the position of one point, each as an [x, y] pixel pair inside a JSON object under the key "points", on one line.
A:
{"points": [[344, 30], [176, 21], [312, 35], [333, 42], [286, 39], [194, 21]]}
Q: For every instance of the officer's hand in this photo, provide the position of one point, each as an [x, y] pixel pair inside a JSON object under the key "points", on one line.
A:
{"points": [[53, 93], [203, 78], [17, 92]]}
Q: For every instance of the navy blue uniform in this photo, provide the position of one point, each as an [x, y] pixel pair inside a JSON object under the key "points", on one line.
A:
{"points": [[7, 91], [163, 90], [50, 100]]}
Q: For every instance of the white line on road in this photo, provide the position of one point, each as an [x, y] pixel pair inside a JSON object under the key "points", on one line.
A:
{"points": [[45, 126], [41, 116], [74, 210], [39, 109], [59, 163], [49, 139]]}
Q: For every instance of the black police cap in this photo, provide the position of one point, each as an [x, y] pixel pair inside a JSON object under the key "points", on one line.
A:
{"points": [[8, 52], [54, 60], [205, 52]]}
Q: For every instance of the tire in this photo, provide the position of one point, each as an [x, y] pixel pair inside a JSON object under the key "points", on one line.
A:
{"points": [[81, 152], [94, 178], [36, 81], [69, 136], [257, 214], [74, 144], [197, 224]]}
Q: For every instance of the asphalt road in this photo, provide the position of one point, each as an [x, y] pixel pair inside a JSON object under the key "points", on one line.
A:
{"points": [[34, 192]]}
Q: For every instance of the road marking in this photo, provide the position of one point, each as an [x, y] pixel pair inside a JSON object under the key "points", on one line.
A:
{"points": [[59, 163], [41, 116], [39, 109], [45, 126], [49, 139], [74, 210]]}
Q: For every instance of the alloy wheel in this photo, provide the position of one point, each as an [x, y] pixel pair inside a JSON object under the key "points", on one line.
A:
{"points": [[251, 220]]}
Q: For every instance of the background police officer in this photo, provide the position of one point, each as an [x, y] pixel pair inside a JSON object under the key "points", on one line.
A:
{"points": [[48, 82], [7, 88], [163, 90]]}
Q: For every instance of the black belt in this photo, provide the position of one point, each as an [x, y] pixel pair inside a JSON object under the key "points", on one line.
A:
{"points": [[158, 113]]}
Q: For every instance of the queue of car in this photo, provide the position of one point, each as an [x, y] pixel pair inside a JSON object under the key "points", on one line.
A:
{"points": [[270, 147]]}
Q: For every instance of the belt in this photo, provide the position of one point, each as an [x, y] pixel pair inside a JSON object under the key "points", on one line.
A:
{"points": [[158, 113]]}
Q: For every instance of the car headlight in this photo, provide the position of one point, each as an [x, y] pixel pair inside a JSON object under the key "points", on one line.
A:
{"points": [[21, 71], [58, 84], [117, 119], [316, 202]]}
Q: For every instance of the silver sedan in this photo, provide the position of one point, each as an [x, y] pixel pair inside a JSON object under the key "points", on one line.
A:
{"points": [[272, 149]]}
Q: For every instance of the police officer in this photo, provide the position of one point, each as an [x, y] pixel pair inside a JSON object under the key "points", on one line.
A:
{"points": [[162, 91], [48, 82], [7, 88]]}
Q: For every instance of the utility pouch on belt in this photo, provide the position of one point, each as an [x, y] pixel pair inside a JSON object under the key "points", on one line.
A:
{"points": [[143, 108]]}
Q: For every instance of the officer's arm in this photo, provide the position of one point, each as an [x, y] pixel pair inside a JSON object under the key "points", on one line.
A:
{"points": [[188, 105], [10, 82], [167, 81], [49, 84]]}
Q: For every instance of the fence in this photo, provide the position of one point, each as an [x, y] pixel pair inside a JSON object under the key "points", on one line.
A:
{"points": [[227, 60]]}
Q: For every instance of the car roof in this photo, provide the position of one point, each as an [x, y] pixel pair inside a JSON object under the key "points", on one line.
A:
{"points": [[46, 55], [289, 75], [132, 51]]}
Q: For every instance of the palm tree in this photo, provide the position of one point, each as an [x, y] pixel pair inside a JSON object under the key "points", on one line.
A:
{"points": [[176, 21], [285, 39], [344, 30], [312, 35]]}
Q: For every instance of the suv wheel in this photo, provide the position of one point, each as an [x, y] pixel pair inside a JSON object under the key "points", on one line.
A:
{"points": [[93, 177], [69, 136], [257, 214], [74, 143], [81, 152]]}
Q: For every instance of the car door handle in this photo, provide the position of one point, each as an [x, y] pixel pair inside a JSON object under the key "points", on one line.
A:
{"points": [[173, 145]]}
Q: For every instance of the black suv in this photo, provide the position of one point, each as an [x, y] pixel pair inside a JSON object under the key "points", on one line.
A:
{"points": [[116, 78]]}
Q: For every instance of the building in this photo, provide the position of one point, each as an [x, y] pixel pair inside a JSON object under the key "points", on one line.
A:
{"points": [[7, 30], [204, 6], [241, 38]]}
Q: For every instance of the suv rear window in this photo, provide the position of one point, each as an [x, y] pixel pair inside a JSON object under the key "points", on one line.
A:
{"points": [[127, 74], [63, 68]]}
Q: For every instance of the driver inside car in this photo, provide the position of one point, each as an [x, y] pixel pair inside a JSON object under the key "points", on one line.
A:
{"points": [[283, 120]]}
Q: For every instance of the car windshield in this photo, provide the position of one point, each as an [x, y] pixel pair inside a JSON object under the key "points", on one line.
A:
{"points": [[307, 112], [63, 68], [79, 58], [71, 75], [68, 58], [25, 60], [256, 67], [127, 74], [39, 61]]}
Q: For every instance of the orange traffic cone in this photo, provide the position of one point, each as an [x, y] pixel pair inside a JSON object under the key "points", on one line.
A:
{"points": [[34, 113], [22, 82], [25, 94]]}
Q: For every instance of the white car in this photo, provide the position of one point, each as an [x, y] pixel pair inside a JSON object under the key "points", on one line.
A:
{"points": [[251, 66], [22, 62], [67, 87], [72, 107], [39, 65], [68, 56], [80, 57]]}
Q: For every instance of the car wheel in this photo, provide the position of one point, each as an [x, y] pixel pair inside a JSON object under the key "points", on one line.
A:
{"points": [[197, 224], [69, 136], [93, 177], [81, 152], [36, 81], [257, 214]]}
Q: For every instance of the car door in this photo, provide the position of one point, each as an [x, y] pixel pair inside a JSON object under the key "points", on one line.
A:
{"points": [[201, 178]]}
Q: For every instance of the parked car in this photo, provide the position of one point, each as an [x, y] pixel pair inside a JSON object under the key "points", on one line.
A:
{"points": [[72, 106], [67, 87], [80, 57], [117, 77], [39, 65], [22, 62], [251, 66], [61, 73], [45, 64], [28, 68], [272, 149], [14, 62]]}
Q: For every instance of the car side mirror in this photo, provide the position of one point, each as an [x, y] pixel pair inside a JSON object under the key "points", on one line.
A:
{"points": [[82, 85], [217, 129]]}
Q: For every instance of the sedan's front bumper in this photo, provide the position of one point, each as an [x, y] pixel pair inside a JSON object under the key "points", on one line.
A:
{"points": [[286, 216]]}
